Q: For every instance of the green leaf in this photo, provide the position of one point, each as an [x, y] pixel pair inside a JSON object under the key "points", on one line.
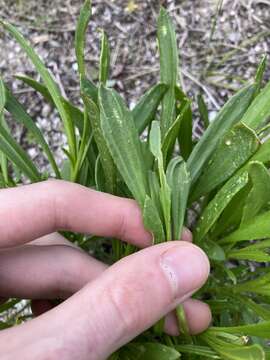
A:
{"points": [[213, 250], [2, 96], [152, 220], [75, 113], [165, 191], [105, 155], [88, 88], [204, 351], [237, 146], [230, 114], [259, 195], [179, 181], [259, 74], [104, 65], [216, 206], [123, 142], [260, 285], [254, 229], [183, 105], [170, 137], [49, 83], [20, 115], [259, 110], [145, 111], [85, 14], [203, 111], [17, 155], [258, 309], [230, 351], [148, 351], [168, 67], [3, 159], [256, 252], [261, 329]]}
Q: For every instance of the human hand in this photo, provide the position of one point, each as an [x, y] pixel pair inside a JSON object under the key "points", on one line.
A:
{"points": [[110, 306]]}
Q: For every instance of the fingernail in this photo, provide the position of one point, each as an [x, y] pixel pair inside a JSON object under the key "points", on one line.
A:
{"points": [[186, 235], [186, 267]]}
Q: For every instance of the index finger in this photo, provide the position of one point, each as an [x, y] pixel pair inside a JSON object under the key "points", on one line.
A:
{"points": [[32, 211]]}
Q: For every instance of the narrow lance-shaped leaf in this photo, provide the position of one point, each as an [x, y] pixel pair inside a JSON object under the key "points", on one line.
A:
{"points": [[145, 111], [203, 111], [123, 142], [216, 206], [237, 146], [17, 155], [179, 182], [230, 114], [152, 220], [165, 191], [261, 329], [259, 74], [74, 112], [105, 156], [230, 351], [254, 229], [259, 110], [168, 144], [20, 115], [258, 252], [259, 309], [89, 89], [147, 351], [3, 158], [204, 351], [49, 83], [259, 195], [183, 105], [81, 28], [168, 67], [104, 64], [260, 285]]}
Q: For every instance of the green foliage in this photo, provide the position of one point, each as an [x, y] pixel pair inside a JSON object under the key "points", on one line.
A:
{"points": [[224, 177]]}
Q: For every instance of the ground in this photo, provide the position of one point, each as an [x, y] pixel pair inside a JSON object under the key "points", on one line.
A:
{"points": [[220, 44]]}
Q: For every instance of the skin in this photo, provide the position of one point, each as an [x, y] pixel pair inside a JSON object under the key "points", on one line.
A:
{"points": [[105, 307]]}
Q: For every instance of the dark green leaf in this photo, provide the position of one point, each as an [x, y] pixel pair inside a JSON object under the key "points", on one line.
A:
{"points": [[203, 111], [17, 155], [20, 115], [183, 105], [145, 111]]}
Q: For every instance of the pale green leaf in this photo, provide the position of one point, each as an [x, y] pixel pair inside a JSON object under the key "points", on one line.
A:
{"points": [[168, 67]]}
